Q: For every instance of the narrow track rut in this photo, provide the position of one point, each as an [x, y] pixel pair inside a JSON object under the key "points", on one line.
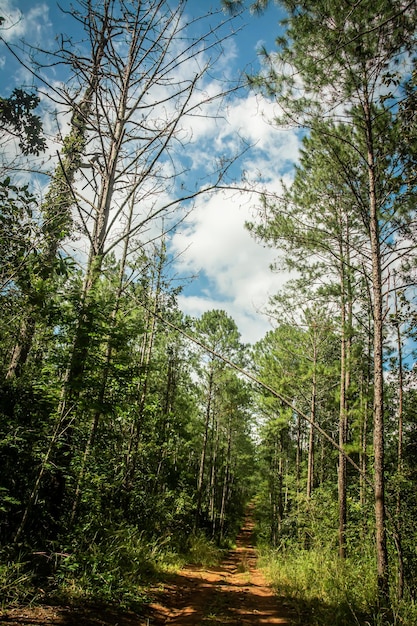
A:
{"points": [[234, 593]]}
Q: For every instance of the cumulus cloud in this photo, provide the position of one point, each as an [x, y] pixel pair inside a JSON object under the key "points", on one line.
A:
{"points": [[212, 241], [234, 268], [18, 24], [247, 120]]}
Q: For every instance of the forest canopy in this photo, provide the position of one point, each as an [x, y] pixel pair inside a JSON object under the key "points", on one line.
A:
{"points": [[127, 423]]}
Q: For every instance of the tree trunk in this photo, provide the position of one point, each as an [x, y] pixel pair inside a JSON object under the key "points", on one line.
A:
{"points": [[106, 368], [310, 461], [365, 386], [56, 209], [34, 494], [378, 375], [213, 473], [298, 455], [342, 442], [274, 495], [280, 479], [142, 391], [398, 525], [226, 480], [346, 330], [200, 479], [22, 346]]}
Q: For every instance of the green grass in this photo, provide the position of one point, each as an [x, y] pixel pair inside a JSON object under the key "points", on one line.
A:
{"points": [[118, 568], [325, 591], [115, 566], [16, 583], [202, 551]]}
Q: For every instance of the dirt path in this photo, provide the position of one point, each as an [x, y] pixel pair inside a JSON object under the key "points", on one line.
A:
{"points": [[232, 594], [235, 593]]}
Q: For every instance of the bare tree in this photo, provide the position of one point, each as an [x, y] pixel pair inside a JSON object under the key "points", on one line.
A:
{"points": [[151, 86], [139, 126]]}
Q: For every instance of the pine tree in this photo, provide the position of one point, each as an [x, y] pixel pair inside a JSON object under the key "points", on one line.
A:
{"points": [[336, 62]]}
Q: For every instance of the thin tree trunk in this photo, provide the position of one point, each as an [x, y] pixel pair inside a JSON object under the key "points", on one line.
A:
{"points": [[106, 367], [213, 472], [298, 454], [226, 477], [200, 480], [145, 362], [22, 346], [280, 478], [363, 454], [170, 388], [274, 495], [60, 198], [322, 463], [398, 529], [400, 397], [346, 314], [365, 386], [342, 442], [310, 461], [34, 493], [378, 378], [142, 390]]}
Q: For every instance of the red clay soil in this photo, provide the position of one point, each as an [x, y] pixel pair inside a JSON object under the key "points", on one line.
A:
{"points": [[232, 594], [235, 593]]}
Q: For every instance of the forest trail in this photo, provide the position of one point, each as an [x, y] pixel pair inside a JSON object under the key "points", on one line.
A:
{"points": [[233, 594]]}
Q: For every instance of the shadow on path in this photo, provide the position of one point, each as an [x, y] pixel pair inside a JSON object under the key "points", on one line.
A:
{"points": [[234, 593]]}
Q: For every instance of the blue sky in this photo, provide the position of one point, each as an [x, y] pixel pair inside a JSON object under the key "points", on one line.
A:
{"points": [[212, 243]]}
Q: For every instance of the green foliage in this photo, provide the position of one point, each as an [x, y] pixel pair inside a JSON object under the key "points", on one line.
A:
{"points": [[321, 588], [201, 551], [16, 582], [16, 118], [111, 565], [19, 233], [24, 431], [224, 442], [100, 564], [324, 590], [133, 414]]}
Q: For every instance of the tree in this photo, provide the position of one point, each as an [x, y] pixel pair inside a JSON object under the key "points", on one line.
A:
{"points": [[335, 62], [324, 241], [298, 360], [56, 210], [216, 330], [125, 156], [135, 134], [19, 230], [18, 120], [237, 453]]}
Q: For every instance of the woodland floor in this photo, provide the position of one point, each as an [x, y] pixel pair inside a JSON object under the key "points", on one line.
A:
{"points": [[231, 594]]}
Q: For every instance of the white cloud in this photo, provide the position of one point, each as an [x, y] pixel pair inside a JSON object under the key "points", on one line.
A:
{"points": [[248, 118], [252, 324], [215, 242], [31, 24], [213, 239]]}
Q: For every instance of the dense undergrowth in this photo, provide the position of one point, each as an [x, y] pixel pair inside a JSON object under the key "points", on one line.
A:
{"points": [[324, 590], [119, 567]]}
